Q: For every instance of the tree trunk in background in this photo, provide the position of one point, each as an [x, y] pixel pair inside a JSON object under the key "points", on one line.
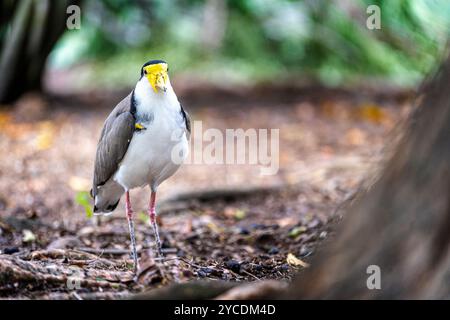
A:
{"points": [[28, 31], [402, 224], [215, 14]]}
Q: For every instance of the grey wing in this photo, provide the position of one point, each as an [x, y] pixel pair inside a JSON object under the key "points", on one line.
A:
{"points": [[113, 145]]}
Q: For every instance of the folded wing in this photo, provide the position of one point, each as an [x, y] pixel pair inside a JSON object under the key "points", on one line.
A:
{"points": [[114, 141]]}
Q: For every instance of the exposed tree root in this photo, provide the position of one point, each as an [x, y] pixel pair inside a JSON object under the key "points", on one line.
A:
{"points": [[69, 269]]}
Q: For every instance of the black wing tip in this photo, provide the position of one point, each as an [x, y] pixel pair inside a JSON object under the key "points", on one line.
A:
{"points": [[112, 207], [109, 208]]}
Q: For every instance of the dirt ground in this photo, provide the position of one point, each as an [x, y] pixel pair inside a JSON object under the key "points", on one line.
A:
{"points": [[217, 222]]}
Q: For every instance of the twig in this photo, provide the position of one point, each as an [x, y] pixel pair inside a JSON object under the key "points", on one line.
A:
{"points": [[250, 274], [190, 263], [169, 250], [119, 251], [105, 251], [76, 295]]}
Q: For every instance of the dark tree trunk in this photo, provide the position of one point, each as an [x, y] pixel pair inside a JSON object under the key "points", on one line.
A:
{"points": [[28, 31], [402, 223]]}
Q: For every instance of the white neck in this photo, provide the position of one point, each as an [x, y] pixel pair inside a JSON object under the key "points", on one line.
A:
{"points": [[148, 99]]}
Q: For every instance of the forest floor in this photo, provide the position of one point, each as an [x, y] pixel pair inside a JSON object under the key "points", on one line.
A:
{"points": [[217, 222]]}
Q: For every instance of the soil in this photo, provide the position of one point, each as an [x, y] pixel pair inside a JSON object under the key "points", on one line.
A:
{"points": [[217, 222]]}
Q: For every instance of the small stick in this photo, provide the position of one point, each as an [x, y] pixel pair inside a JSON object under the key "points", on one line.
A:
{"points": [[105, 251], [250, 274]]}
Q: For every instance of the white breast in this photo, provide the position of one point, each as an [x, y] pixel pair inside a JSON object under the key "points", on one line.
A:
{"points": [[153, 153]]}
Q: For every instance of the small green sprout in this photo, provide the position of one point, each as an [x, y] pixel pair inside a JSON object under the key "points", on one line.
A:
{"points": [[83, 199]]}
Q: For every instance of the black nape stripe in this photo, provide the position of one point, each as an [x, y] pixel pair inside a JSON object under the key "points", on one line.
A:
{"points": [[150, 62]]}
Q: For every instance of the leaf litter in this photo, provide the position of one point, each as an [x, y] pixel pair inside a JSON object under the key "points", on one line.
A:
{"points": [[257, 228]]}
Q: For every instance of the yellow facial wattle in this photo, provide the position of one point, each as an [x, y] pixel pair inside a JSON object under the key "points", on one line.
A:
{"points": [[157, 76]]}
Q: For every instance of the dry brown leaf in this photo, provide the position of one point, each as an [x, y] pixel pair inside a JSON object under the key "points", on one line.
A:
{"points": [[356, 137], [373, 113], [294, 261], [234, 213], [5, 118], [214, 228], [287, 221], [45, 137]]}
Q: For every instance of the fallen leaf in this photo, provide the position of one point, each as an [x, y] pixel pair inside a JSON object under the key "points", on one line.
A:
{"points": [[356, 137], [5, 118], [373, 113], [214, 228], [286, 221], [45, 137], [296, 231], [239, 214], [28, 236], [85, 231], [294, 261]]}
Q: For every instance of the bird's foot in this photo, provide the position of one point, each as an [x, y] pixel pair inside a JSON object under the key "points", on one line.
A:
{"points": [[158, 242]]}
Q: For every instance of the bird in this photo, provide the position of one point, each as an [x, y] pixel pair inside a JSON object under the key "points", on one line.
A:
{"points": [[143, 142]]}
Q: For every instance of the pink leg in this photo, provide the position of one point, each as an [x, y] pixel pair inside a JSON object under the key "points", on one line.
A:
{"points": [[152, 214], [129, 212]]}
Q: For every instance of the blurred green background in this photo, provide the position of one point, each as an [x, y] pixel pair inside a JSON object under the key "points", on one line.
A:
{"points": [[242, 41], [224, 42]]}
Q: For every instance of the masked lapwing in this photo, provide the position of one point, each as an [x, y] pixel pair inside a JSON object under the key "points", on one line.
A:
{"points": [[143, 142]]}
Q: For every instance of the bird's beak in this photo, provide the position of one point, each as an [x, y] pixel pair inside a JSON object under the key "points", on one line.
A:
{"points": [[161, 82], [158, 81], [157, 76]]}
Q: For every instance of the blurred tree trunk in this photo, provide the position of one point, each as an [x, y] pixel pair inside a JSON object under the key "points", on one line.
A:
{"points": [[402, 223], [28, 31], [215, 14]]}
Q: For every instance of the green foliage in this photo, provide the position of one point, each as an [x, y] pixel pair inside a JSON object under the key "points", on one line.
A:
{"points": [[83, 199], [263, 40], [143, 217]]}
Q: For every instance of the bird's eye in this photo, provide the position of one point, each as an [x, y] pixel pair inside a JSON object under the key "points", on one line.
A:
{"points": [[145, 71]]}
